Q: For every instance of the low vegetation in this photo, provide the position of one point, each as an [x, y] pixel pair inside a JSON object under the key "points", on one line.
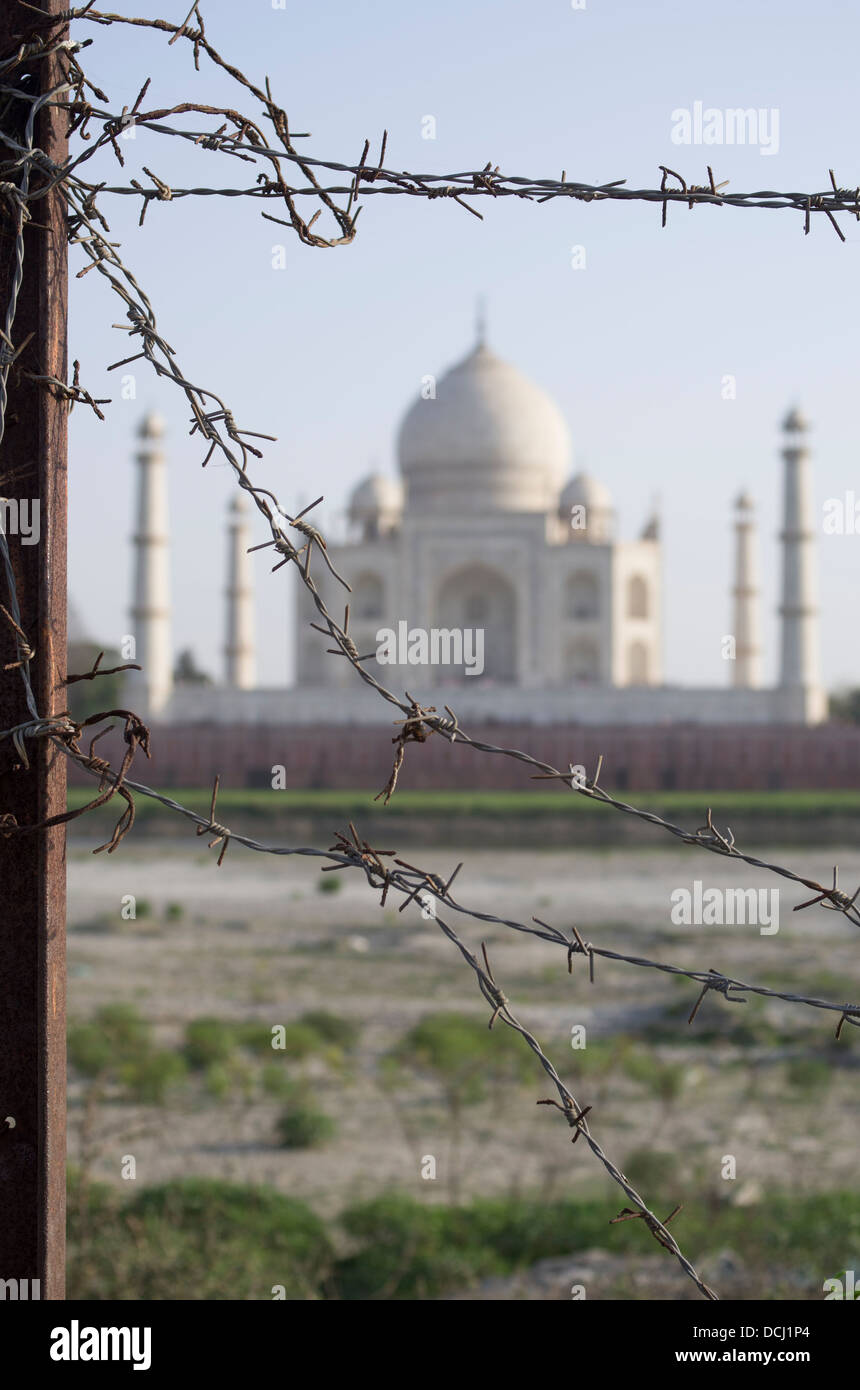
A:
{"points": [[206, 1239]]}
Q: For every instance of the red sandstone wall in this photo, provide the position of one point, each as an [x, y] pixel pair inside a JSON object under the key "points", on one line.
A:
{"points": [[691, 757]]}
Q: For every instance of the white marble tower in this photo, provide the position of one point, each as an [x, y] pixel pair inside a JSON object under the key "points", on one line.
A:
{"points": [[799, 670], [746, 669], [150, 688], [239, 666]]}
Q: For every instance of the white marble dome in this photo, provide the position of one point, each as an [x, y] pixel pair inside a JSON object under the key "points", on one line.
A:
{"points": [[376, 502], [489, 440]]}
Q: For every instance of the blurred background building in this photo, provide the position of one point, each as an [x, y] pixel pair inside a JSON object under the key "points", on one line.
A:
{"points": [[487, 530]]}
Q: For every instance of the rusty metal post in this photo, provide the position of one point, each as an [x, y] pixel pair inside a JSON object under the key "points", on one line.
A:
{"points": [[33, 867]]}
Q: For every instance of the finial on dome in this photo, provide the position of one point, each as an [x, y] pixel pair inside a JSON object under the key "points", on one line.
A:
{"points": [[481, 322]]}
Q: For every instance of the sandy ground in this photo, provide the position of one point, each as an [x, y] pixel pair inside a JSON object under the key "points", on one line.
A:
{"points": [[259, 941]]}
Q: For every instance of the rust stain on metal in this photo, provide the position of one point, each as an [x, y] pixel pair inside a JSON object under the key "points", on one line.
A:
{"points": [[32, 868]]}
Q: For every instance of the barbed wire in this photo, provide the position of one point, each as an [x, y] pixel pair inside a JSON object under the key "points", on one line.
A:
{"points": [[243, 138], [421, 884]]}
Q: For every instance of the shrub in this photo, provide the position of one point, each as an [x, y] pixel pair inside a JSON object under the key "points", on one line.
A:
{"points": [[213, 1041], [299, 1041], [462, 1054], [208, 1239], [333, 1028], [651, 1172], [302, 1125], [129, 1033], [329, 883], [209, 1040], [665, 1080], [223, 1079], [217, 1080], [602, 1056], [195, 1239], [148, 1079], [115, 1035], [276, 1082], [257, 1037], [409, 1250], [89, 1049], [809, 1074]]}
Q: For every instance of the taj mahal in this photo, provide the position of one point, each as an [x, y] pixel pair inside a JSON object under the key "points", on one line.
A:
{"points": [[487, 538]]}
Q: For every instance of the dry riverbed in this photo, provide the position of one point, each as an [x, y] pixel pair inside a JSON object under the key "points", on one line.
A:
{"points": [[258, 941]]}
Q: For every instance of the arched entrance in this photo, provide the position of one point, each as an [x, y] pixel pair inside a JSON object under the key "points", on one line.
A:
{"points": [[479, 597]]}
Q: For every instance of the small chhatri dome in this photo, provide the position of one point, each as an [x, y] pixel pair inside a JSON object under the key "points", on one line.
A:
{"points": [[238, 505], [596, 500], [744, 503], [376, 504], [485, 439], [152, 426], [583, 490]]}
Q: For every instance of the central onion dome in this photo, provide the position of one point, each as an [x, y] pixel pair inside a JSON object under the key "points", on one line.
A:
{"points": [[488, 440]]}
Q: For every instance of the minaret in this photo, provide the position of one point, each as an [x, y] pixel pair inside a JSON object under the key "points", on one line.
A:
{"points": [[239, 666], [746, 671], [149, 690], [799, 665]]}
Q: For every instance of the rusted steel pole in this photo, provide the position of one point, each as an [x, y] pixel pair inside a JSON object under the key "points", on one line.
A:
{"points": [[33, 867]]}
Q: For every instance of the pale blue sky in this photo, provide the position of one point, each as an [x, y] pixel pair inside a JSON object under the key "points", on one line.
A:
{"points": [[328, 352]]}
